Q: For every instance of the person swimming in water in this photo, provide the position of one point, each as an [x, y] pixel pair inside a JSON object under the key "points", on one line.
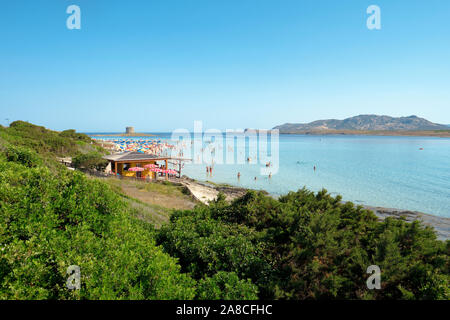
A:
{"points": [[314, 168], [270, 175], [239, 175]]}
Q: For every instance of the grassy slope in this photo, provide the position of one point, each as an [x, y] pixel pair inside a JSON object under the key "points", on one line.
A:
{"points": [[48, 144], [154, 201]]}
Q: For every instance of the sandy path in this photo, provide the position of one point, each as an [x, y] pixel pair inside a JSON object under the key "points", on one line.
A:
{"points": [[202, 193]]}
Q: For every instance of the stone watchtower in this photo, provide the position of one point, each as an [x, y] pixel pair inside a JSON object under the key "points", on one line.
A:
{"points": [[130, 130]]}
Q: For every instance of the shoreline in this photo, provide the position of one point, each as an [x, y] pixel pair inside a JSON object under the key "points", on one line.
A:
{"points": [[205, 191], [123, 135], [441, 224]]}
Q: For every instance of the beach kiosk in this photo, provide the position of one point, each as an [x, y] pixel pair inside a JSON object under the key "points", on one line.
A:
{"points": [[121, 163]]}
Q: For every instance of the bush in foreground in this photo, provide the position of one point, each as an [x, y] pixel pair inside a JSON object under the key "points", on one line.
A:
{"points": [[89, 161], [226, 286], [310, 246], [49, 222]]}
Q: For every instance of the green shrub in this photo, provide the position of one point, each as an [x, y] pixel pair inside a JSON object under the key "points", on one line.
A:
{"points": [[23, 156], [91, 160], [80, 137], [205, 246], [309, 246], [48, 144], [226, 286], [49, 222]]}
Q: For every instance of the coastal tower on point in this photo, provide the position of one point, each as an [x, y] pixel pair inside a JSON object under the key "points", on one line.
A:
{"points": [[129, 130]]}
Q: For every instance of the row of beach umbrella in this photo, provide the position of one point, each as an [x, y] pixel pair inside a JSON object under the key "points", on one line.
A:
{"points": [[144, 146], [153, 168]]}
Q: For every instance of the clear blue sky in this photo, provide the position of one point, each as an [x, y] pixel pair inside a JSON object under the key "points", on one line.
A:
{"points": [[160, 65]]}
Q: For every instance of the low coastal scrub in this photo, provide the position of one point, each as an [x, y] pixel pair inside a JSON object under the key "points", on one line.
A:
{"points": [[303, 245], [89, 161], [22, 155], [50, 222], [49, 144], [72, 134], [309, 246], [53, 218], [42, 140]]}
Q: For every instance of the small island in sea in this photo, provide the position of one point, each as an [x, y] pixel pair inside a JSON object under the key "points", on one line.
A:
{"points": [[369, 125]]}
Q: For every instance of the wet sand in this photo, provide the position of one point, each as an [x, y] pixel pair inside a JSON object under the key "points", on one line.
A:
{"points": [[440, 224]]}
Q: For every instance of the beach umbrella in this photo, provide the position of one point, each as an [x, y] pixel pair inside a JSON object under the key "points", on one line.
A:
{"points": [[136, 169]]}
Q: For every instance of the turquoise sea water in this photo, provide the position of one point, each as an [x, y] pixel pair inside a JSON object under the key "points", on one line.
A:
{"points": [[373, 170]]}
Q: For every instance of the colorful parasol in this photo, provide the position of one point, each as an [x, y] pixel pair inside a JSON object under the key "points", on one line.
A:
{"points": [[136, 169]]}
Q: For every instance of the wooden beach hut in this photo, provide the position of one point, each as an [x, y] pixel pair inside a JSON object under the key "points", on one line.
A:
{"points": [[119, 163]]}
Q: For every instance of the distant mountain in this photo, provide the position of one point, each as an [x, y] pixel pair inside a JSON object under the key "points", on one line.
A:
{"points": [[367, 122]]}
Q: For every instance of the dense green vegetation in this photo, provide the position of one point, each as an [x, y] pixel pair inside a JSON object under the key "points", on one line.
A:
{"points": [[53, 218], [49, 222], [72, 134], [301, 246], [91, 160], [49, 144], [307, 245], [46, 142]]}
